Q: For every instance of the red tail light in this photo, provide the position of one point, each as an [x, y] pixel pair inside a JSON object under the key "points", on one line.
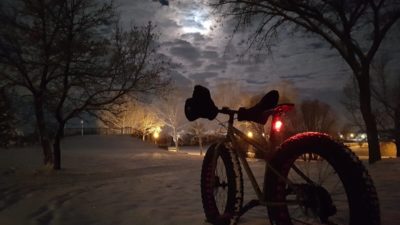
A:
{"points": [[278, 125]]}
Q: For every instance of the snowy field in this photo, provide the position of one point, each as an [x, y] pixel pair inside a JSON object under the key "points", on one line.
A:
{"points": [[115, 180]]}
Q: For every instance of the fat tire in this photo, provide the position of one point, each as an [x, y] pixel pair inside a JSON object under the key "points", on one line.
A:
{"points": [[235, 186], [360, 191]]}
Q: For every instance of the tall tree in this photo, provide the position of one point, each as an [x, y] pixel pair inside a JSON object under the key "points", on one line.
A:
{"points": [[355, 29], [386, 102], [72, 57], [387, 96], [352, 105]]}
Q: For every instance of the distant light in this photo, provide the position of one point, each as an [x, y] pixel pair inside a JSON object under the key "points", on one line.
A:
{"points": [[351, 135], [363, 136], [156, 135], [250, 134], [263, 134], [341, 136], [278, 125]]}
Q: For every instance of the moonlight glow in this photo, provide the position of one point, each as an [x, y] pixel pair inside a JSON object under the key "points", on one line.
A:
{"points": [[197, 21]]}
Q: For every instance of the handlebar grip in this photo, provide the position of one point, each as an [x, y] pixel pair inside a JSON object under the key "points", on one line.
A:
{"points": [[200, 105]]}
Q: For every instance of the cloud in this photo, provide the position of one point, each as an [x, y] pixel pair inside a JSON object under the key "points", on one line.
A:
{"points": [[209, 54], [203, 75], [184, 50], [219, 65], [191, 35], [196, 37], [179, 80], [297, 76]]}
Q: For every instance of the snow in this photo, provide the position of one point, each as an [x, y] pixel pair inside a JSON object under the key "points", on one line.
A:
{"points": [[111, 180]]}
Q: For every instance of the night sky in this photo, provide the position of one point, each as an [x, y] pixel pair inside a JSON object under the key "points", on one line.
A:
{"points": [[194, 36]]}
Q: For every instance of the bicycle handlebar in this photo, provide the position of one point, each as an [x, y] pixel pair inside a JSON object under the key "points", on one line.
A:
{"points": [[202, 106]]}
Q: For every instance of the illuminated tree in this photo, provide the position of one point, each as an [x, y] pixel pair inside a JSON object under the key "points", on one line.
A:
{"points": [[355, 29], [170, 111], [198, 129], [145, 119]]}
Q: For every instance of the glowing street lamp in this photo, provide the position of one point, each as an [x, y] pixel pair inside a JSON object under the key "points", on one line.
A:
{"points": [[156, 134], [250, 134]]}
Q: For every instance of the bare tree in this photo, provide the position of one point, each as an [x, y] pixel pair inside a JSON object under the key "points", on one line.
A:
{"points": [[352, 105], [170, 111], [318, 116], [386, 93], [145, 119], [72, 57], [338, 23], [135, 116], [229, 93], [198, 129], [385, 102]]}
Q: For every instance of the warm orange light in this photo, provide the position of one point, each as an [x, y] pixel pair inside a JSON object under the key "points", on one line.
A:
{"points": [[156, 135], [250, 134], [278, 125]]}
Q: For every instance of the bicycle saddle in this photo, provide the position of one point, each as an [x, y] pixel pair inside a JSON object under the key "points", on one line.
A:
{"points": [[258, 113], [200, 105]]}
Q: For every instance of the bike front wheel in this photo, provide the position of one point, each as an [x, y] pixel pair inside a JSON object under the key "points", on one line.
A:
{"points": [[221, 185], [332, 187]]}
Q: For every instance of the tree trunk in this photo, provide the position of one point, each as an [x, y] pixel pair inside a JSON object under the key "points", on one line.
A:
{"points": [[368, 116], [201, 145], [397, 132], [57, 148], [43, 134], [397, 143], [176, 140]]}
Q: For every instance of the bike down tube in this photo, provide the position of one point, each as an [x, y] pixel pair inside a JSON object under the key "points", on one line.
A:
{"points": [[231, 138], [250, 175]]}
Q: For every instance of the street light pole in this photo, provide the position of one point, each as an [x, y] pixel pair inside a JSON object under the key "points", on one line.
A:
{"points": [[81, 127]]}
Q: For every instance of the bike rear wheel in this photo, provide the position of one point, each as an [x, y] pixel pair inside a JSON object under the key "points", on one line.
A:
{"points": [[221, 185], [333, 186]]}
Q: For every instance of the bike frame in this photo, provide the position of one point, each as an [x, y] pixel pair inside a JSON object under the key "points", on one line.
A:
{"points": [[233, 136]]}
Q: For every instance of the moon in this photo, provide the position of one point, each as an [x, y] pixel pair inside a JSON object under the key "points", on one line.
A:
{"points": [[197, 21]]}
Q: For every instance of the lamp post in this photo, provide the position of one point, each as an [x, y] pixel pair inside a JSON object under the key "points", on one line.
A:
{"points": [[81, 127], [156, 135]]}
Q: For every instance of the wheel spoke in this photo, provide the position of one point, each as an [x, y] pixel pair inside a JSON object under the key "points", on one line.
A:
{"points": [[311, 175]]}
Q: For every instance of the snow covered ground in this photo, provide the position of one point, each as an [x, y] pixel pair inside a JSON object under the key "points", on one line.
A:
{"points": [[112, 180]]}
